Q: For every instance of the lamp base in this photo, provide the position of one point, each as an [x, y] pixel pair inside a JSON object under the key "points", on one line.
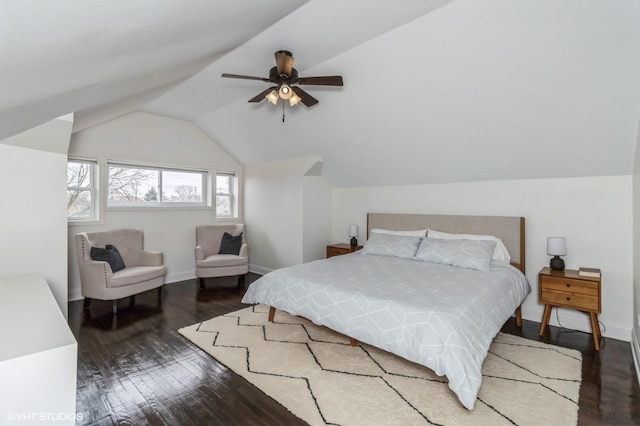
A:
{"points": [[556, 263], [354, 242]]}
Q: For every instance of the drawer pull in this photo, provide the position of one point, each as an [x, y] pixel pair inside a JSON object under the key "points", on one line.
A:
{"points": [[568, 299], [568, 285]]}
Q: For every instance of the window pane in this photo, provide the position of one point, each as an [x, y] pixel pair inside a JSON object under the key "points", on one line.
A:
{"points": [[81, 197], [223, 184], [79, 204], [78, 174], [224, 189], [132, 185], [181, 187], [223, 205]]}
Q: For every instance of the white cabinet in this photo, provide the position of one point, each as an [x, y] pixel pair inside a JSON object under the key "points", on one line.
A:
{"points": [[38, 355]]}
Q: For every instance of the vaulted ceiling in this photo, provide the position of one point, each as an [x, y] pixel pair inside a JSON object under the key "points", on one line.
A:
{"points": [[435, 90]]}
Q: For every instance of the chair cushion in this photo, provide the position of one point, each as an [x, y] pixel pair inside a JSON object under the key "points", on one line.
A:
{"points": [[230, 244], [136, 274], [222, 260], [109, 254]]}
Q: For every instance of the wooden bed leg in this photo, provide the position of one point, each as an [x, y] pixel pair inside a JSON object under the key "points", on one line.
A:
{"points": [[519, 317], [272, 313], [353, 342]]}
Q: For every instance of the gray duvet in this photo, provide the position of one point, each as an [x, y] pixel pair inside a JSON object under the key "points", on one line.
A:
{"points": [[442, 317]]}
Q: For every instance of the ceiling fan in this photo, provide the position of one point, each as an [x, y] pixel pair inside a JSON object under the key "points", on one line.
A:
{"points": [[286, 79]]}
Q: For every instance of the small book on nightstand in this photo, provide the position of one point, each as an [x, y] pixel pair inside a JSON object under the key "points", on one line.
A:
{"points": [[589, 272]]}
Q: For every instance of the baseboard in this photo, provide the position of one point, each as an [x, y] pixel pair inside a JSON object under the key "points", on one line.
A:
{"points": [[261, 270], [635, 351], [180, 276], [75, 295], [575, 320]]}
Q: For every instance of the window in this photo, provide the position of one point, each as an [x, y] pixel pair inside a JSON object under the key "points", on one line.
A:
{"points": [[81, 190], [132, 185], [224, 194]]}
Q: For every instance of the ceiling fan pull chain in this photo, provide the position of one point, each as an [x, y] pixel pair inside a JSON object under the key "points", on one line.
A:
{"points": [[283, 110]]}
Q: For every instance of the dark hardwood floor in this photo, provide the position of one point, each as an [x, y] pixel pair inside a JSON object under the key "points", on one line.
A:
{"points": [[134, 368]]}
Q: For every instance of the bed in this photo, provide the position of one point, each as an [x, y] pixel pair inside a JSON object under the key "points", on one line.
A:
{"points": [[435, 311]]}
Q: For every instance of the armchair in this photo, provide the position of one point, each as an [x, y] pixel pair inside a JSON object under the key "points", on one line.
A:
{"points": [[211, 263], [144, 269]]}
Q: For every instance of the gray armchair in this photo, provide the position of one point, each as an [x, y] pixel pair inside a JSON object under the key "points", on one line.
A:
{"points": [[143, 269], [211, 263]]}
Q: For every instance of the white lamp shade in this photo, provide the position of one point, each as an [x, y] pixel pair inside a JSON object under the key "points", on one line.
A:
{"points": [[272, 97], [556, 246], [353, 230]]}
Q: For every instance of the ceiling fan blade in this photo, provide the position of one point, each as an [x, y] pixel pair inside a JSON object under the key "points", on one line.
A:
{"points": [[284, 63], [245, 77], [305, 98], [260, 96], [329, 80]]}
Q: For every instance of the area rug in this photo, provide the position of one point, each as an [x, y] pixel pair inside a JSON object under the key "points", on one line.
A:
{"points": [[320, 378]]}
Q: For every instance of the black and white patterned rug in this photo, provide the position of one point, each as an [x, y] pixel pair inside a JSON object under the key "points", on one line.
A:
{"points": [[320, 378]]}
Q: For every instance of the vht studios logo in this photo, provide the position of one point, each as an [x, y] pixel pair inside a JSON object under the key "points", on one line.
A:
{"points": [[43, 417]]}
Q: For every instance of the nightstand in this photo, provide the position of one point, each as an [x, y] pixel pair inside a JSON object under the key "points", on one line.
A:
{"points": [[567, 289], [341, 248]]}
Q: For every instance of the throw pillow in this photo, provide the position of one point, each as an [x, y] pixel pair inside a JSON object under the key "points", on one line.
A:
{"points": [[416, 233], [499, 253], [391, 245], [471, 254], [109, 254], [230, 244]]}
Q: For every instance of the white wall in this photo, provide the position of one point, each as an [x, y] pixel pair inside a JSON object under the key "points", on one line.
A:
{"points": [[33, 186], [594, 214], [635, 336], [316, 214], [279, 213], [155, 140]]}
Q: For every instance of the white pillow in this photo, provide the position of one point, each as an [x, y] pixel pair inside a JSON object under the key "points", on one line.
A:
{"points": [[417, 233], [499, 253], [471, 254], [382, 244]]}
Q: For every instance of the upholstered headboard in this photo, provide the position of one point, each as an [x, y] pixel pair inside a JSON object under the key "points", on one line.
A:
{"points": [[508, 228]]}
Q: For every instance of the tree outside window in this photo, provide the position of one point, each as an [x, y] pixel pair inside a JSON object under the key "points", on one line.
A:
{"points": [[154, 187]]}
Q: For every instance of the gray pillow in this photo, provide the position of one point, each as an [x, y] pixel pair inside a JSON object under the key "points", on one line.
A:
{"points": [[391, 245], [471, 254]]}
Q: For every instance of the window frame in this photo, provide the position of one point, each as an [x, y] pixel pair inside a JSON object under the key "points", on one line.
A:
{"points": [[159, 203], [231, 195], [93, 190]]}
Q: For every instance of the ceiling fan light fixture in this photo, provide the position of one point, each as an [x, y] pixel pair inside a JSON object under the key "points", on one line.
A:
{"points": [[285, 91], [294, 100], [272, 97]]}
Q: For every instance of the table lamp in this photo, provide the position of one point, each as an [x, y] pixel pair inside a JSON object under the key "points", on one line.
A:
{"points": [[556, 247], [353, 233]]}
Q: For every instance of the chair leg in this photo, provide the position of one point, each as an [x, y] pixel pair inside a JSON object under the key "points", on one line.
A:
{"points": [[159, 293], [241, 280], [201, 283], [132, 301], [87, 302], [115, 307]]}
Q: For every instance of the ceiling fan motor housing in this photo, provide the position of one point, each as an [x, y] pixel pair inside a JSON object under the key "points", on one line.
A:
{"points": [[278, 78]]}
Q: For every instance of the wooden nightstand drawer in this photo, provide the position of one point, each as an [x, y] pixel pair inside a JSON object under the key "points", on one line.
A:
{"points": [[334, 251], [590, 288], [569, 299], [340, 249]]}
